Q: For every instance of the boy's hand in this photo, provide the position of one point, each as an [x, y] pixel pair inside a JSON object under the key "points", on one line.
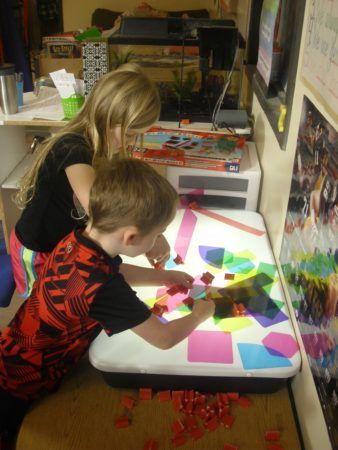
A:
{"points": [[160, 253], [203, 308], [173, 277]]}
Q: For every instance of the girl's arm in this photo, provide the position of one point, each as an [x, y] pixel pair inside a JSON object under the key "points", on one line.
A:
{"points": [[160, 253], [143, 276], [165, 336], [81, 178]]}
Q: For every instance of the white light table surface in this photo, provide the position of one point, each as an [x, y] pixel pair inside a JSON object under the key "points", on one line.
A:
{"points": [[255, 352]]}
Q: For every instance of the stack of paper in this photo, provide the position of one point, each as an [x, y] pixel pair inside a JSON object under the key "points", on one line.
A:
{"points": [[66, 84]]}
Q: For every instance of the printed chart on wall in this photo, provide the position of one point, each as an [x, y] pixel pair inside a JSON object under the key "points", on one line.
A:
{"points": [[310, 253], [320, 61]]}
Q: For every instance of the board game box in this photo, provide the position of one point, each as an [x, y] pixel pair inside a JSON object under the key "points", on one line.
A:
{"points": [[186, 148]]}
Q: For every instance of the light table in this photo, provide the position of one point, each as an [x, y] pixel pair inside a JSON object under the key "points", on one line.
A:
{"points": [[255, 352]]}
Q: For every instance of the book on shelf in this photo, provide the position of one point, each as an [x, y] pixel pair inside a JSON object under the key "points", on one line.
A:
{"points": [[199, 149], [62, 45], [64, 50]]}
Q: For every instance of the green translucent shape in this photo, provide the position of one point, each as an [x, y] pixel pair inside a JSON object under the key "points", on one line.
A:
{"points": [[228, 257], [269, 269], [183, 309]]}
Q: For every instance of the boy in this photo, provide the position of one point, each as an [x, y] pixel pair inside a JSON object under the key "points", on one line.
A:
{"points": [[83, 288]]}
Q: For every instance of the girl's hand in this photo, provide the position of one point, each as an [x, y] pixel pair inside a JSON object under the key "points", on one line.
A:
{"points": [[173, 277], [160, 252], [203, 308]]}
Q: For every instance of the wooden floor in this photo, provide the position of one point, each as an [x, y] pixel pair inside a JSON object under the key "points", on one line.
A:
{"points": [[81, 415]]}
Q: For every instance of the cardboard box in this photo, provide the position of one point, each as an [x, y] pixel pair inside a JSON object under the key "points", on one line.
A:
{"points": [[46, 65], [187, 148]]}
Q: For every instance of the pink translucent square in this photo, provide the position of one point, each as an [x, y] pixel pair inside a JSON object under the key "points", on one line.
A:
{"points": [[210, 347]]}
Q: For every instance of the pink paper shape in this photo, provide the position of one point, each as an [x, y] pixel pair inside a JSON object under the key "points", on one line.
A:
{"points": [[282, 343], [210, 347], [185, 233], [185, 200]]}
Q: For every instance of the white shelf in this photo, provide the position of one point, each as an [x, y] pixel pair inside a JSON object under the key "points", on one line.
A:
{"points": [[13, 179], [202, 126]]}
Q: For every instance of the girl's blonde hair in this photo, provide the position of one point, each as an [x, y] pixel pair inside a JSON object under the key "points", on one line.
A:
{"points": [[125, 97], [130, 192]]}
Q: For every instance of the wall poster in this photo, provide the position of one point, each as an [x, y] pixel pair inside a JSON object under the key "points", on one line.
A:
{"points": [[320, 61], [309, 254]]}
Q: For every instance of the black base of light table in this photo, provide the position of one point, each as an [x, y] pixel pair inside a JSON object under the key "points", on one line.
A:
{"points": [[249, 385]]}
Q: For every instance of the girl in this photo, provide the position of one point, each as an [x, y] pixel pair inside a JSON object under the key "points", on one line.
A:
{"points": [[123, 104]]}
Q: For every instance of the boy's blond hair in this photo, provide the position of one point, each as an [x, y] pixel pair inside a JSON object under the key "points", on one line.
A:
{"points": [[130, 192], [125, 97]]}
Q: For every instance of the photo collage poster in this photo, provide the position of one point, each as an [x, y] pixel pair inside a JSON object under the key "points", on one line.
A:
{"points": [[309, 253]]}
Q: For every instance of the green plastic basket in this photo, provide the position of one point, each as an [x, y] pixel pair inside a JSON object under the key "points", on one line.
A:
{"points": [[72, 105]]}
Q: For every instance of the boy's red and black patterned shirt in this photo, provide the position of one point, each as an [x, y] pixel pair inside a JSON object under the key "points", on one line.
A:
{"points": [[79, 292]]}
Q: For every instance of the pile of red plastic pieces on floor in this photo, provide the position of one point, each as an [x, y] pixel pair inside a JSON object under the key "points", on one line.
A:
{"points": [[212, 410]]}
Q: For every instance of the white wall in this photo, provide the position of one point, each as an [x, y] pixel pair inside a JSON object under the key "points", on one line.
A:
{"points": [[277, 171], [78, 14]]}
